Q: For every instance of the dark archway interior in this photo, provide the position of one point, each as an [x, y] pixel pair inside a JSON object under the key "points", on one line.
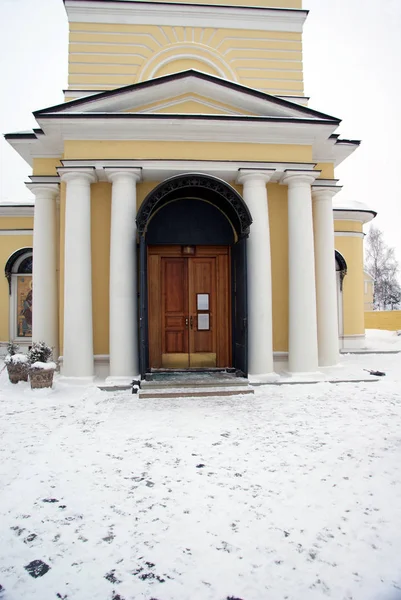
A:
{"points": [[12, 260], [197, 186], [190, 222]]}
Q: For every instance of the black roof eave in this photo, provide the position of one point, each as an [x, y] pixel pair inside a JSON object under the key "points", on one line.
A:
{"points": [[356, 210], [185, 117], [193, 4], [20, 136]]}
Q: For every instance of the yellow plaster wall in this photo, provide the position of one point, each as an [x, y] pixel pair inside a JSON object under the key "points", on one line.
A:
{"points": [[278, 216], [45, 166], [175, 66], [327, 170], [106, 56], [182, 100], [355, 226], [191, 107], [353, 286], [8, 245], [109, 149], [16, 223], [389, 320], [100, 231]]}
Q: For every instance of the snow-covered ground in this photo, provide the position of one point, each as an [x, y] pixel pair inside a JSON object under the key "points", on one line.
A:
{"points": [[294, 493]]}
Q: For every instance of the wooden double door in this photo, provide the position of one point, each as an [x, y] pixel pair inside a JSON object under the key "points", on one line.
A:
{"points": [[189, 307]]}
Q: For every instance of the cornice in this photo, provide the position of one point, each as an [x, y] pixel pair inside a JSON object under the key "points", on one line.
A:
{"points": [[17, 210], [160, 170], [361, 216], [187, 15]]}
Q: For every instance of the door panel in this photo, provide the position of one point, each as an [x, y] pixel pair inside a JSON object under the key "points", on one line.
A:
{"points": [[175, 341], [189, 307], [202, 342]]}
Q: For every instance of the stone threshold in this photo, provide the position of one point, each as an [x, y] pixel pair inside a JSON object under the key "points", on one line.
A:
{"points": [[370, 351], [316, 381]]}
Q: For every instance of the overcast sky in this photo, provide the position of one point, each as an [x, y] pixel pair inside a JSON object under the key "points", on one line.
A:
{"points": [[352, 62]]}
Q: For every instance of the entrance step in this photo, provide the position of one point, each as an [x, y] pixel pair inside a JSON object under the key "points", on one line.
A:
{"points": [[203, 392], [194, 384]]}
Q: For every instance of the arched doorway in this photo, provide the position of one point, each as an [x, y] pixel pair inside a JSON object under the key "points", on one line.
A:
{"points": [[341, 271], [18, 271], [192, 306]]}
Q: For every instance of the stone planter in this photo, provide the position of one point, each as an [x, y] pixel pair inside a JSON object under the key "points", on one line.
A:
{"points": [[41, 378], [17, 371]]}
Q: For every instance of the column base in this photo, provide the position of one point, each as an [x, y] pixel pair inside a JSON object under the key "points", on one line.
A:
{"points": [[353, 342], [328, 364], [263, 378], [306, 376]]}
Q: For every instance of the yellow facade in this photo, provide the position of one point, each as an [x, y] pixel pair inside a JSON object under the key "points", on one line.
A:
{"points": [[109, 149], [8, 245], [106, 56], [45, 166], [351, 247]]}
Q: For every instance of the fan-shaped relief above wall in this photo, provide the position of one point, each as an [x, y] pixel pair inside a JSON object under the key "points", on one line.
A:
{"points": [[181, 57]]}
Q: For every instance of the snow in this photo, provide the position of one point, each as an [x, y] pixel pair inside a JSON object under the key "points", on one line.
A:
{"points": [[44, 366], [16, 358], [340, 204], [378, 339], [291, 493]]}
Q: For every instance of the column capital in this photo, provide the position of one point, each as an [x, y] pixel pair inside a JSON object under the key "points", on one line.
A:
{"points": [[294, 178], [324, 192], [121, 173], [82, 174], [47, 190], [254, 175]]}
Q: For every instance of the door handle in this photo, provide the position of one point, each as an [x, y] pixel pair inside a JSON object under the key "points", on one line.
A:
{"points": [[191, 322]]}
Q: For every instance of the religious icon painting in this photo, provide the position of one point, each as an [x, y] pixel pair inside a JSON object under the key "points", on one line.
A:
{"points": [[24, 307]]}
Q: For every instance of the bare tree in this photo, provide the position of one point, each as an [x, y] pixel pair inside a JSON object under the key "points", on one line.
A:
{"points": [[382, 265]]}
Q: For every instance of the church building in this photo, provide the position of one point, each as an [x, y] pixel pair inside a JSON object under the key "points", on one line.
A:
{"points": [[185, 213]]}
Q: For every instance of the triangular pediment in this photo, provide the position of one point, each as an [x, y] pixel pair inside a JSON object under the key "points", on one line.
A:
{"points": [[188, 92], [190, 104]]}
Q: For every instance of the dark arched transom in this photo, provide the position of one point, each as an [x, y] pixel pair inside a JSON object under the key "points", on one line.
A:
{"points": [[202, 187]]}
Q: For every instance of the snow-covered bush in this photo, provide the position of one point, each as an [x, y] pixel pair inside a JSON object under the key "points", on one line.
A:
{"points": [[12, 348], [16, 359], [39, 352], [16, 363]]}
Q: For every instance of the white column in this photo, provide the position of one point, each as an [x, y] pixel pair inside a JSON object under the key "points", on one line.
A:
{"points": [[260, 322], [326, 282], [303, 356], [78, 327], [45, 297], [124, 363]]}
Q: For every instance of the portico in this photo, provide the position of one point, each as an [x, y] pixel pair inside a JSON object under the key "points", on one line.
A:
{"points": [[305, 249]]}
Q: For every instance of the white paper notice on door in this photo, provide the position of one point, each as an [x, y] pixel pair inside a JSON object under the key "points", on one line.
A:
{"points": [[202, 301], [203, 322]]}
